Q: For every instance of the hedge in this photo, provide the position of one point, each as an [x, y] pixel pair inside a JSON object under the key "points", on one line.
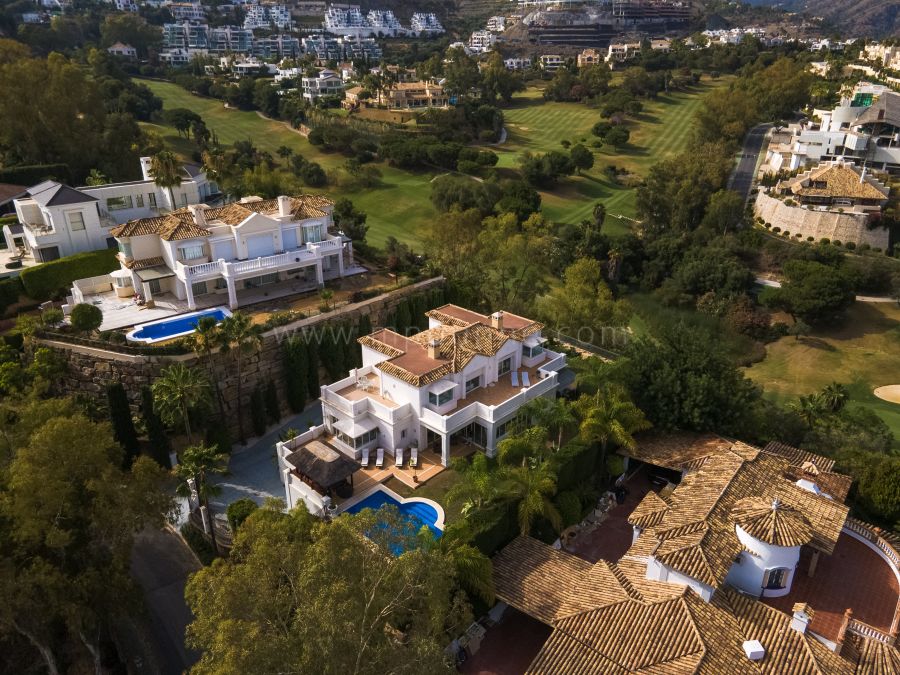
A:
{"points": [[44, 281], [32, 174], [9, 293]]}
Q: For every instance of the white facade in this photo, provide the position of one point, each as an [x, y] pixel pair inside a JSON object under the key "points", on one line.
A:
{"points": [[482, 41], [552, 62], [267, 16], [376, 407], [187, 11], [120, 49], [59, 221], [496, 24], [848, 132], [326, 83], [241, 246], [425, 24], [762, 569], [517, 63]]}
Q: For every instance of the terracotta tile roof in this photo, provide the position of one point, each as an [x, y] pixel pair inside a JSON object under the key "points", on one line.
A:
{"points": [[517, 327], [649, 512], [840, 180], [458, 342], [798, 457], [302, 206], [230, 214], [771, 522], [679, 450], [173, 226], [144, 263], [877, 658]]}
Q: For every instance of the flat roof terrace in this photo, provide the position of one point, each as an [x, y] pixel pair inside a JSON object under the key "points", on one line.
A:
{"points": [[499, 391]]}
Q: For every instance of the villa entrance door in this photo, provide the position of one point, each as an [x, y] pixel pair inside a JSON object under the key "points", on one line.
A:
{"points": [[475, 433]]}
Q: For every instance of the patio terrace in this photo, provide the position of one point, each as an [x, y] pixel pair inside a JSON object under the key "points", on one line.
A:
{"points": [[499, 391]]}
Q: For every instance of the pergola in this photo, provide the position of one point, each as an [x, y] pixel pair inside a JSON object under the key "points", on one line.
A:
{"points": [[326, 470]]}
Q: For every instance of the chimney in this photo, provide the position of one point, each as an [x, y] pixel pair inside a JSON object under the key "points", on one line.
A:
{"points": [[145, 168], [434, 349], [802, 616], [284, 206], [198, 211], [842, 631], [754, 650], [497, 320]]}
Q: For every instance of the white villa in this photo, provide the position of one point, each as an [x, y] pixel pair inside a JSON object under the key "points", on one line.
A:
{"points": [[218, 253], [461, 381], [864, 128], [56, 220], [326, 83]]}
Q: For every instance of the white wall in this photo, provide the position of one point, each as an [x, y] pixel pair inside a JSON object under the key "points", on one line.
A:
{"points": [[749, 573], [656, 570]]}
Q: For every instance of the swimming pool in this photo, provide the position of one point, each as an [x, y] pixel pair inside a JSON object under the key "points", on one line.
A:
{"points": [[176, 326], [420, 511]]}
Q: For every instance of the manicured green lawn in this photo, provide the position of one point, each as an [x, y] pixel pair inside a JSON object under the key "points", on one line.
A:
{"points": [[400, 207], [862, 354], [661, 130]]}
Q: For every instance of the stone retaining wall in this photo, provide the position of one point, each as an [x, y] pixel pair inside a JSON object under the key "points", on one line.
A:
{"points": [[90, 370], [842, 227]]}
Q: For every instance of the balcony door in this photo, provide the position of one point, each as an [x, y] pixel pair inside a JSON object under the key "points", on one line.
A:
{"points": [[260, 245]]}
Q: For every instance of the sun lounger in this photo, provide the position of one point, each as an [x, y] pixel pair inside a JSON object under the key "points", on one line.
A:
{"points": [[398, 457], [365, 458], [525, 381], [515, 379], [414, 456], [379, 458]]}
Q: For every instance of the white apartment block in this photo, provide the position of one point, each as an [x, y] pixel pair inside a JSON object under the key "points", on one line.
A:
{"points": [[463, 380], [56, 220], [496, 24], [886, 56], [187, 11], [267, 16], [517, 63], [326, 83], [552, 62], [204, 251], [864, 128], [425, 24], [482, 41]]}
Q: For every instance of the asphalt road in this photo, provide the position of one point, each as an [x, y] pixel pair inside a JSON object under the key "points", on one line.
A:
{"points": [[161, 563], [742, 178]]}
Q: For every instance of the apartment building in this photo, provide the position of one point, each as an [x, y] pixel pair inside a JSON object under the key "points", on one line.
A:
{"points": [[552, 62], [414, 96], [589, 57], [187, 11], [425, 24], [885, 56], [482, 41], [517, 63], [267, 16], [202, 251], [56, 220]]}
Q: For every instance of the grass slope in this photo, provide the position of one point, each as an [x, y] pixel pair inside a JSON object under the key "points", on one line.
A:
{"points": [[862, 354], [399, 208], [662, 130]]}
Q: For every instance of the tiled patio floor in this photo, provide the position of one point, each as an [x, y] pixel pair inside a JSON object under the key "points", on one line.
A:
{"points": [[509, 647], [853, 576], [612, 538]]}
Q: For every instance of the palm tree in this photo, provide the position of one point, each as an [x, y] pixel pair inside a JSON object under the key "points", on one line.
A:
{"points": [[599, 214], [473, 568], [532, 488], [284, 152], [198, 463], [553, 414], [834, 396], [205, 341], [610, 416], [166, 171], [808, 408], [526, 445], [178, 391], [477, 488], [593, 374], [242, 338]]}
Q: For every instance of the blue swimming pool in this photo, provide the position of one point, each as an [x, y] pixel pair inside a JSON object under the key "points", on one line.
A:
{"points": [[177, 326], [421, 512]]}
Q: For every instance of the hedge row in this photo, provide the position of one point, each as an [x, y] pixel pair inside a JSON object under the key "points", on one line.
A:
{"points": [[9, 293], [34, 173], [45, 281]]}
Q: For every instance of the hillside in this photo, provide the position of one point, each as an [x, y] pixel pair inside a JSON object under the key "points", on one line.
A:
{"points": [[868, 18]]}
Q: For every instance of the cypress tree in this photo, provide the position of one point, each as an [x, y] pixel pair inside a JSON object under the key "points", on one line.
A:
{"points": [[258, 411], [156, 430], [364, 327], [312, 370], [273, 409], [122, 424], [296, 373]]}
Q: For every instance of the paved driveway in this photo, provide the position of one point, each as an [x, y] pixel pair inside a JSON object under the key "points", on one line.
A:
{"points": [[253, 471]]}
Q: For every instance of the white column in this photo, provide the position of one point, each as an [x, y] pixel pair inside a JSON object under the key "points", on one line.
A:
{"points": [[445, 449], [232, 293], [320, 275], [340, 257], [189, 292]]}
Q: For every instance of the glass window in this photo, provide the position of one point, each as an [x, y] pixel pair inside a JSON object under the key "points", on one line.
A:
{"points": [[183, 200], [501, 429], [119, 203], [151, 199], [76, 220], [192, 252], [529, 352], [139, 201], [776, 578], [125, 248], [199, 288], [505, 366], [440, 399], [220, 284], [472, 384]]}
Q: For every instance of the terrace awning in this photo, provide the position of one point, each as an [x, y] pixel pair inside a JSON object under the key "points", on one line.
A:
{"points": [[158, 272], [355, 428], [441, 386], [323, 465]]}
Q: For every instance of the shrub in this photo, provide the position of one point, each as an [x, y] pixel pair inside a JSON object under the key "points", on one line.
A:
{"points": [[239, 511], [825, 241], [34, 173], [850, 246], [44, 281], [785, 234], [776, 230], [86, 318], [569, 506], [790, 202], [9, 293], [52, 316], [836, 242], [199, 545], [810, 239], [122, 424], [218, 436], [273, 409], [258, 411]]}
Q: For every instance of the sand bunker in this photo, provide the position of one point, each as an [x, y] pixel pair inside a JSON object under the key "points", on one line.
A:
{"points": [[889, 393]]}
